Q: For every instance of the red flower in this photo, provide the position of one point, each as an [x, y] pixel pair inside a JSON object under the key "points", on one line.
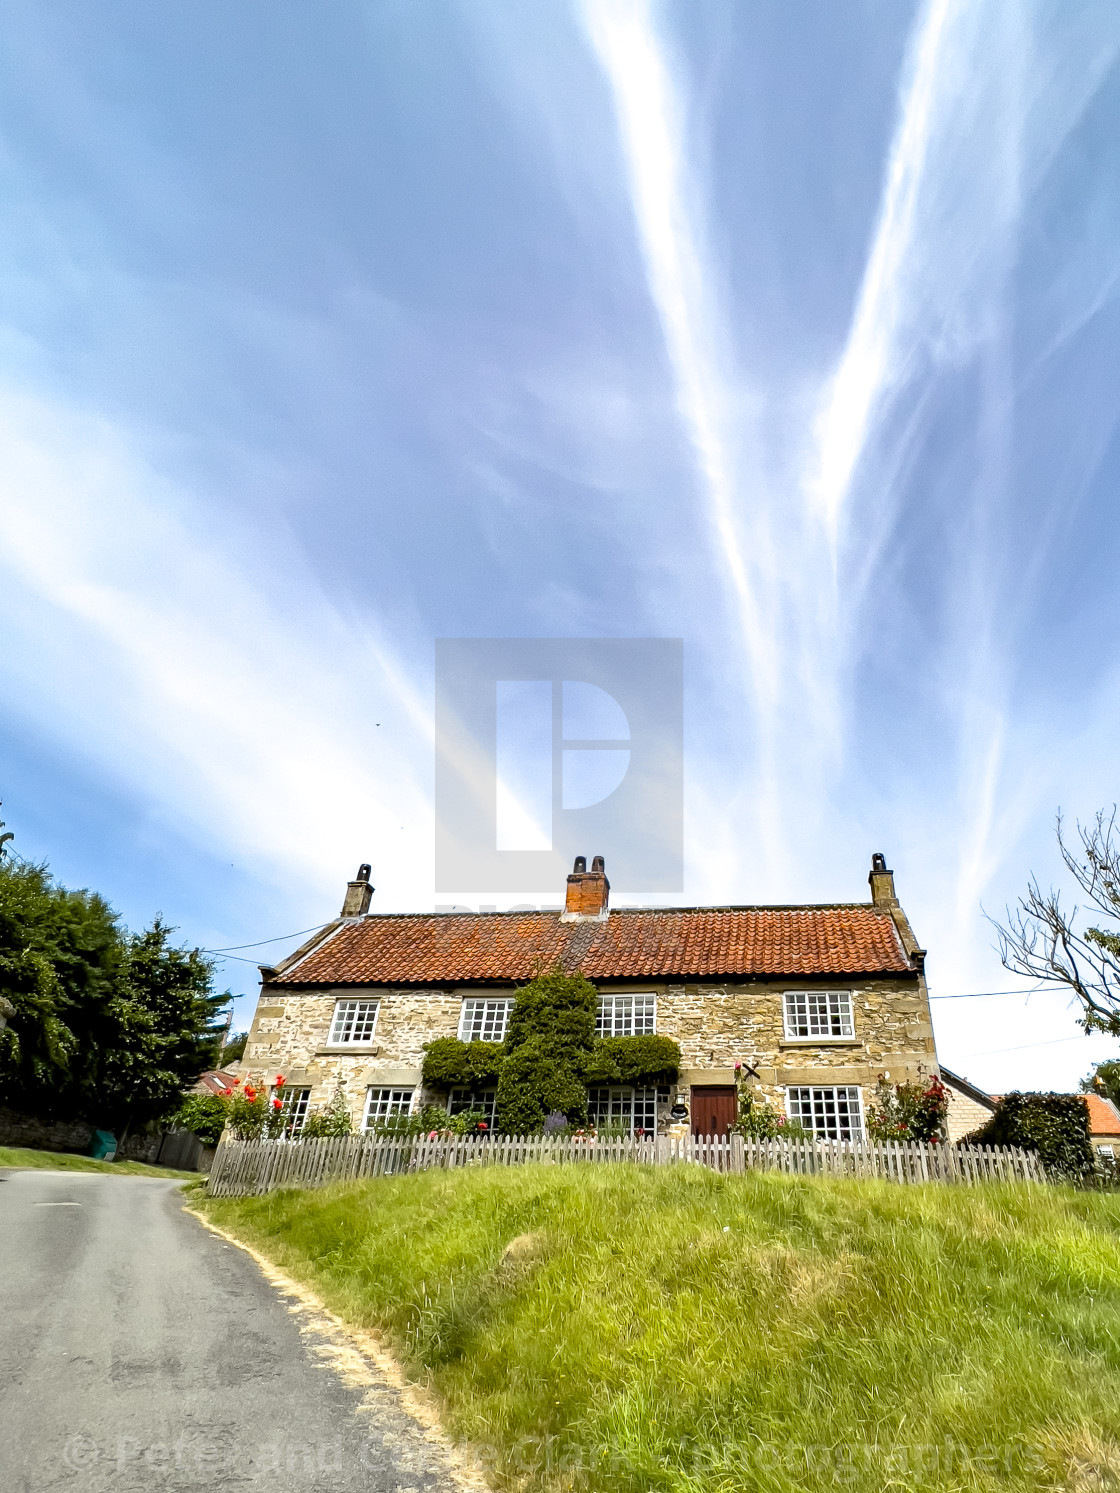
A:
{"points": [[482, 1125], [227, 1093], [279, 1080], [277, 1104], [236, 1081]]}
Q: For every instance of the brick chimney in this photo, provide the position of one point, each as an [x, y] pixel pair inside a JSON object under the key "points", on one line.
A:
{"points": [[588, 893], [358, 895]]}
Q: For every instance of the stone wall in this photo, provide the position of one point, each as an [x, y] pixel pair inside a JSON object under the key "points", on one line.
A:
{"points": [[716, 1025], [68, 1135]]}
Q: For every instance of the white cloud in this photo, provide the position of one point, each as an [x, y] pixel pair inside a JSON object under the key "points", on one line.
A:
{"points": [[140, 635]]}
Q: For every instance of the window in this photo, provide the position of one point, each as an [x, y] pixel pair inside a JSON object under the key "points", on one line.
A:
{"points": [[484, 1021], [353, 1022], [817, 1015], [831, 1114], [293, 1107], [1106, 1151], [461, 1100], [385, 1104], [625, 1015], [636, 1109]]}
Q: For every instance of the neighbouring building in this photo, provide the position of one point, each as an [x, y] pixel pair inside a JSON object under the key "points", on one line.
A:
{"points": [[809, 1004], [1104, 1125], [969, 1107]]}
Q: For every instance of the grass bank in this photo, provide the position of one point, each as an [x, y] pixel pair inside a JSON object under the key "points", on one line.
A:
{"points": [[64, 1161], [624, 1329]]}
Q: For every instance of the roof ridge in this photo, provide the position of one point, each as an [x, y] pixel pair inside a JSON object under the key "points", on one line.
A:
{"points": [[554, 912]]}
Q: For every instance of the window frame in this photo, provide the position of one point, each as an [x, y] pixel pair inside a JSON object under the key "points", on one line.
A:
{"points": [[366, 1040], [461, 1101], [298, 1099], [812, 1089], [469, 1001], [789, 1019], [652, 1098], [613, 997], [393, 1111]]}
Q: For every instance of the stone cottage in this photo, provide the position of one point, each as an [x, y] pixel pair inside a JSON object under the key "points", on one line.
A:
{"points": [[808, 1004]]}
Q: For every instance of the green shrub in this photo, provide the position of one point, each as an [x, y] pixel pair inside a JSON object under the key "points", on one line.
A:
{"points": [[451, 1064], [1054, 1125], [909, 1111], [536, 1083], [643, 1061], [558, 1009], [203, 1115], [759, 1120], [330, 1122], [549, 1042]]}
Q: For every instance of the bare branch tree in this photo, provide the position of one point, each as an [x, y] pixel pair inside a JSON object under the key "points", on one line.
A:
{"points": [[1040, 939]]}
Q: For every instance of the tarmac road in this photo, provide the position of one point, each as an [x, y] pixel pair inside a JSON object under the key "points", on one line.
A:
{"points": [[140, 1351]]}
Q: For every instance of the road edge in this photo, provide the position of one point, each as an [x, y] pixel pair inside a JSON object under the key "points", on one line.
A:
{"points": [[361, 1360]]}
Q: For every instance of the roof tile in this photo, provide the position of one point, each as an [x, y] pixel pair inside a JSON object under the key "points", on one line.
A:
{"points": [[416, 949]]}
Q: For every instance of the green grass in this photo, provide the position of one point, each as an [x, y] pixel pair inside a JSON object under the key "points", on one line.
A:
{"points": [[63, 1161], [619, 1328]]}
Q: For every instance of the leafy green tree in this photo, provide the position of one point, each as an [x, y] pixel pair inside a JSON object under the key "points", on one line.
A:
{"points": [[1104, 1080], [167, 1029], [104, 1026], [549, 1042], [60, 957]]}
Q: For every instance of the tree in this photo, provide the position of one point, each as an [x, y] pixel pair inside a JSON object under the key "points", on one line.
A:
{"points": [[105, 1026], [60, 955], [1104, 1080], [167, 1029], [1044, 942]]}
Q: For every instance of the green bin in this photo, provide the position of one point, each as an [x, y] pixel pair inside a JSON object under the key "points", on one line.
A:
{"points": [[103, 1146]]}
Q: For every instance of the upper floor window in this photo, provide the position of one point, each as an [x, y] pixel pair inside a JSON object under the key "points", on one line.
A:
{"points": [[625, 1015], [484, 1020], [354, 1021], [817, 1015]]}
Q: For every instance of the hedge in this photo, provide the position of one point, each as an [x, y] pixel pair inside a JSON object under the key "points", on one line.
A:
{"points": [[451, 1064], [1054, 1125], [642, 1062]]}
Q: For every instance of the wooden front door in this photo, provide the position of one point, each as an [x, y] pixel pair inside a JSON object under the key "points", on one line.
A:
{"points": [[714, 1110]]}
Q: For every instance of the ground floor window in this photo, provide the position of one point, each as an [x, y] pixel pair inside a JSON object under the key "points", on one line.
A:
{"points": [[293, 1107], [830, 1113], [633, 1109], [460, 1101], [385, 1104]]}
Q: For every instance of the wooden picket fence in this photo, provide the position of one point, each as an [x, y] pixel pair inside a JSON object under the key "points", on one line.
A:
{"points": [[244, 1168]]}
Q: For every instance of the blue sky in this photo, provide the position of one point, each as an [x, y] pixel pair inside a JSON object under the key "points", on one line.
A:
{"points": [[789, 330]]}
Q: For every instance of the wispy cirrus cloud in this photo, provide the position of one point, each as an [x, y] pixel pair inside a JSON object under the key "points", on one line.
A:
{"points": [[140, 635]]}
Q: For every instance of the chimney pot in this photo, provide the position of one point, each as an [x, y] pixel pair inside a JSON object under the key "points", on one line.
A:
{"points": [[588, 893]]}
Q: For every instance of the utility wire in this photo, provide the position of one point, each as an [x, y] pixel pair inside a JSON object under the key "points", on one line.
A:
{"points": [[975, 995], [280, 938]]}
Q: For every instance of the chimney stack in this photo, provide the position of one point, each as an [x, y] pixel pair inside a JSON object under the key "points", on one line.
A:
{"points": [[358, 895], [588, 893], [882, 882]]}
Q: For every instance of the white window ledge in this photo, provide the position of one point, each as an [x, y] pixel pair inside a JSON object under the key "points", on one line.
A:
{"points": [[821, 1042]]}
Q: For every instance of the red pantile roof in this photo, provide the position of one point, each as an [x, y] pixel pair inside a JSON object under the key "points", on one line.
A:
{"points": [[1104, 1117], [448, 948]]}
